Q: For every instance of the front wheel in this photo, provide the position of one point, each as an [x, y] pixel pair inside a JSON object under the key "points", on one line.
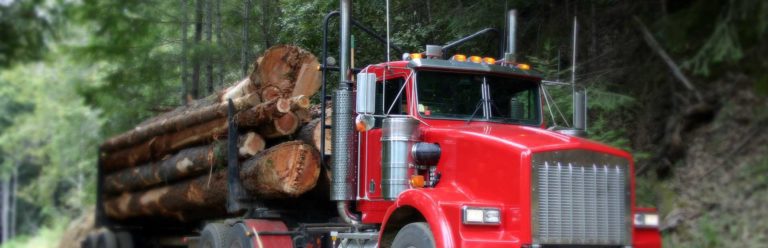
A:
{"points": [[414, 235]]}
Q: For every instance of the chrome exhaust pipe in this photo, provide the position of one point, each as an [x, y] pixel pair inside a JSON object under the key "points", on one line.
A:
{"points": [[509, 56]]}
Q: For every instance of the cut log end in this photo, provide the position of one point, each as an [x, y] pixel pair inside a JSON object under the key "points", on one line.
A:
{"points": [[269, 93], [252, 144], [300, 102]]}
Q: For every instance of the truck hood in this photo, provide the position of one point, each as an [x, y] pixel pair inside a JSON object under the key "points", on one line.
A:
{"points": [[517, 137]]}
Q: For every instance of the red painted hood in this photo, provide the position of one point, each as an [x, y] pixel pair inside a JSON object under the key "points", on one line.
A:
{"points": [[517, 137]]}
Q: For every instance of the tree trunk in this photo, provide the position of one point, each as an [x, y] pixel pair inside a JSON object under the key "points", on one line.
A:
{"points": [[285, 170], [245, 45], [183, 73], [177, 123], [195, 91], [219, 39], [209, 43], [5, 208], [14, 200], [188, 162]]}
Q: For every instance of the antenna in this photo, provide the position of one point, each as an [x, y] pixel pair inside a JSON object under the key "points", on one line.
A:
{"points": [[573, 62]]}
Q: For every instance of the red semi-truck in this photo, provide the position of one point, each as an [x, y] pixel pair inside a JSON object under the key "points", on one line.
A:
{"points": [[436, 151]]}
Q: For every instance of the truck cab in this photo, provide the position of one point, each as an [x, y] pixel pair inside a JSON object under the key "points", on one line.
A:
{"points": [[457, 150]]}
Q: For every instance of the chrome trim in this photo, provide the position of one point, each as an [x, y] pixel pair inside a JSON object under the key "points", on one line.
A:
{"points": [[588, 216]]}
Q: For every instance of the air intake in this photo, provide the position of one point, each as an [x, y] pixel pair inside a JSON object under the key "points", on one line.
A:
{"points": [[580, 197]]}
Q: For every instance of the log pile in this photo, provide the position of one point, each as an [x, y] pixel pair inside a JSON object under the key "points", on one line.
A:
{"points": [[173, 165]]}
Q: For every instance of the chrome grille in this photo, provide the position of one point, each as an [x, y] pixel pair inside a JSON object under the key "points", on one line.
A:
{"points": [[580, 197]]}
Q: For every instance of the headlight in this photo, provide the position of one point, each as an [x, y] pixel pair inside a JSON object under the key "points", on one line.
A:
{"points": [[481, 216], [647, 220]]}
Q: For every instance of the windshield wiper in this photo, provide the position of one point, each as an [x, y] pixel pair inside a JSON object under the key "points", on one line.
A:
{"points": [[479, 104]]}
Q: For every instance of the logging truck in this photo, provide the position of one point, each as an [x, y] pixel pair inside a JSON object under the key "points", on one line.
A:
{"points": [[434, 150]]}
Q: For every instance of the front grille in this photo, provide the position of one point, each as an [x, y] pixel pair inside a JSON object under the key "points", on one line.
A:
{"points": [[580, 197]]}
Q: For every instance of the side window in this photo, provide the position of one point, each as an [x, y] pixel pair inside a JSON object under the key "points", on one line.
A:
{"points": [[389, 92]]}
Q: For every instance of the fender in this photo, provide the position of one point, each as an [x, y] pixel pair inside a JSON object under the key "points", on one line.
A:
{"points": [[426, 202]]}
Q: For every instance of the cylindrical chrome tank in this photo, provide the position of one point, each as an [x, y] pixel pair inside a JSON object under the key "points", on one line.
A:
{"points": [[399, 135]]}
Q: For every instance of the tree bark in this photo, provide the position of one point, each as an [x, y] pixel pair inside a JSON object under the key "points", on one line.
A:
{"points": [[219, 39], [209, 43], [5, 208], [310, 134], [195, 89], [187, 162], [270, 113], [246, 20], [286, 170], [184, 82], [263, 113], [176, 123], [281, 126]]}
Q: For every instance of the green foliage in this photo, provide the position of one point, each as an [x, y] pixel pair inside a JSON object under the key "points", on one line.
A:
{"points": [[47, 236], [23, 30], [52, 142]]}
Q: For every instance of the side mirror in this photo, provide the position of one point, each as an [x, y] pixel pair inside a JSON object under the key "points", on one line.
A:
{"points": [[366, 93], [366, 101]]}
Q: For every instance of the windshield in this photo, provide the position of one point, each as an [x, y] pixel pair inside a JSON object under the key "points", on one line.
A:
{"points": [[446, 95]]}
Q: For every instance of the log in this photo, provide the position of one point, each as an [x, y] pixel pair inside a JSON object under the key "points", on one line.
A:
{"points": [[270, 92], [300, 102], [308, 81], [163, 145], [242, 88], [310, 134], [286, 170], [263, 113], [281, 126], [186, 163], [207, 193], [290, 69], [176, 123], [267, 113]]}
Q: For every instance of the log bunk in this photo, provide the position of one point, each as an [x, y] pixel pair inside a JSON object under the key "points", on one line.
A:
{"points": [[174, 165]]}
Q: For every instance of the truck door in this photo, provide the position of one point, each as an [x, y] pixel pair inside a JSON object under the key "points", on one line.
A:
{"points": [[387, 102]]}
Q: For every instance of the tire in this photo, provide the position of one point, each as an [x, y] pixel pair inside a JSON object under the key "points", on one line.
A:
{"points": [[414, 235], [89, 241], [124, 240], [240, 239], [215, 235], [106, 239]]}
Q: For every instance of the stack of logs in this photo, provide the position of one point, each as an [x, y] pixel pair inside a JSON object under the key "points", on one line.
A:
{"points": [[172, 165]]}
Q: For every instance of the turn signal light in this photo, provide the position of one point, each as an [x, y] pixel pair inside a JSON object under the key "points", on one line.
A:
{"points": [[475, 59], [489, 60], [524, 67], [417, 181], [460, 57]]}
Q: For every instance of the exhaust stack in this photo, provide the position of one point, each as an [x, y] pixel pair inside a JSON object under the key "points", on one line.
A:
{"points": [[509, 55], [343, 136]]}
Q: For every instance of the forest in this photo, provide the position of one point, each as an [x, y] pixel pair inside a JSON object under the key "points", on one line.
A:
{"points": [[682, 85]]}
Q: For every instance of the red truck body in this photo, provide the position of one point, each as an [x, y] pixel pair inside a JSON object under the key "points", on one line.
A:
{"points": [[484, 164]]}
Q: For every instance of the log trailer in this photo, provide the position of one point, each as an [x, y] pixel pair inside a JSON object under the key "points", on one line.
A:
{"points": [[433, 151]]}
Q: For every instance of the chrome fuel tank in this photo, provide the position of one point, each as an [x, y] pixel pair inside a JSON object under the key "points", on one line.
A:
{"points": [[398, 136]]}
